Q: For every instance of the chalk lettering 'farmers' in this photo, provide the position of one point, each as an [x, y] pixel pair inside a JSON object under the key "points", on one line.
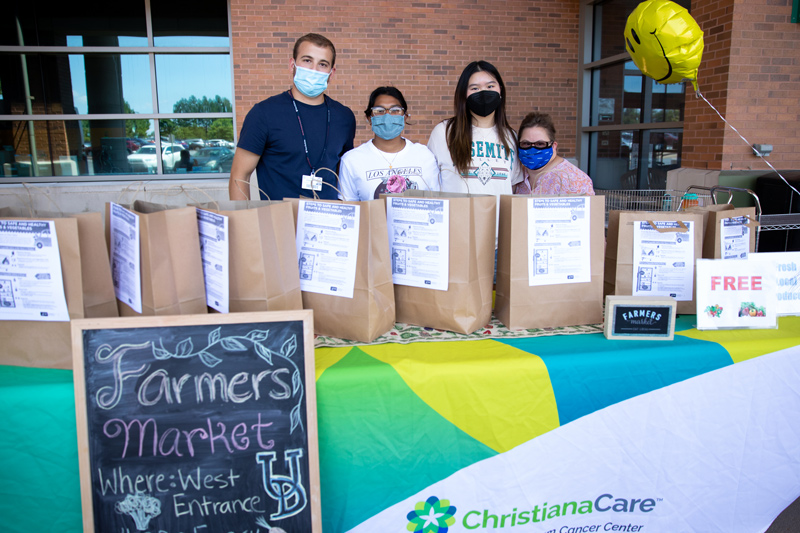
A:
{"points": [[170, 434]]}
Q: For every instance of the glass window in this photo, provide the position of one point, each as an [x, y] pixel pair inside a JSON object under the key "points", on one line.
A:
{"points": [[75, 84], [75, 147], [205, 23], [619, 97], [610, 19], [668, 102], [640, 157], [95, 22], [193, 83], [208, 141], [103, 85]]}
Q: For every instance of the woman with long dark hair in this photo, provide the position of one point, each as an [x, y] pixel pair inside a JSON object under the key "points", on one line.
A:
{"points": [[476, 148], [387, 163]]}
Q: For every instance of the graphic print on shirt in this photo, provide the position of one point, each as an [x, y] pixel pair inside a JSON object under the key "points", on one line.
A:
{"points": [[395, 180], [487, 158]]}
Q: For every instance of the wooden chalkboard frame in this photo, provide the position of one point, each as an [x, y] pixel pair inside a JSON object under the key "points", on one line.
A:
{"points": [[296, 319]]}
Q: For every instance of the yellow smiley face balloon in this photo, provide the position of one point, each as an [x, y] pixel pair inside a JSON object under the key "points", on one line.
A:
{"points": [[664, 41]]}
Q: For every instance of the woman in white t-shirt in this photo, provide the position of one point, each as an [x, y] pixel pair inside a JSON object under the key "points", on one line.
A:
{"points": [[388, 163], [476, 148]]}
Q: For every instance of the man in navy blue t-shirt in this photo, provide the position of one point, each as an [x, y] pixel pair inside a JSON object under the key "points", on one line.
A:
{"points": [[300, 132]]}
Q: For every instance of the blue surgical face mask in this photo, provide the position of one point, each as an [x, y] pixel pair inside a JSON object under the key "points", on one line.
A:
{"points": [[535, 158], [311, 83], [387, 126]]}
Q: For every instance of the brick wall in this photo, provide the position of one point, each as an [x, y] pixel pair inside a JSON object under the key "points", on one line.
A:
{"points": [[419, 47], [751, 73]]}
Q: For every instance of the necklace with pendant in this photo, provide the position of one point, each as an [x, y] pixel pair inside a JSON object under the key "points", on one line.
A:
{"points": [[389, 161]]}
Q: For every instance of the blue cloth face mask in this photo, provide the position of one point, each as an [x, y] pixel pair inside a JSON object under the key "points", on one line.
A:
{"points": [[387, 126], [311, 83], [535, 158]]}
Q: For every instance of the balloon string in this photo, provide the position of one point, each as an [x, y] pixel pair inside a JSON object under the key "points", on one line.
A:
{"points": [[700, 95]]}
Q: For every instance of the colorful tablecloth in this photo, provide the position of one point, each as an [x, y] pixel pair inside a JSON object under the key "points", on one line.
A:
{"points": [[396, 420]]}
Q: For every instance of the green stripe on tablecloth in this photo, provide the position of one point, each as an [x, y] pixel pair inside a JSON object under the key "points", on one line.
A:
{"points": [[363, 405], [39, 477]]}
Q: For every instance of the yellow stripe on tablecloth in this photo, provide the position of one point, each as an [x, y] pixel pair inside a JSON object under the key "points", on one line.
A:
{"points": [[510, 404], [744, 344]]}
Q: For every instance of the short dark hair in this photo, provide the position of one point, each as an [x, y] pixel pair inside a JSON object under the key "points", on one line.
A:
{"points": [[317, 40], [542, 120], [394, 92]]}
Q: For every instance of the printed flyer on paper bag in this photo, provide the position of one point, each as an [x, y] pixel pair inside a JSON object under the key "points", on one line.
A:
{"points": [[31, 282], [663, 263], [558, 241], [214, 251], [735, 294], [125, 257], [327, 247], [734, 237], [419, 238]]}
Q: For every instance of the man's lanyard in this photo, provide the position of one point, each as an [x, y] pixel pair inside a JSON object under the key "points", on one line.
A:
{"points": [[303, 133]]}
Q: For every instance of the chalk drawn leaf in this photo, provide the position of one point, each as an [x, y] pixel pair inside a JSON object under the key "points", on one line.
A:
{"points": [[294, 417], [184, 348], [214, 336], [208, 359], [231, 344], [290, 346], [258, 335], [263, 352], [160, 353], [297, 384]]}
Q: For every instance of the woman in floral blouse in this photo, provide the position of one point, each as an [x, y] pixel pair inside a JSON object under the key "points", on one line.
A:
{"points": [[545, 171]]}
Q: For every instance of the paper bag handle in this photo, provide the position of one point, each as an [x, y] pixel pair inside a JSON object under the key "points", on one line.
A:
{"points": [[753, 224], [139, 185], [316, 196], [247, 183], [31, 209]]}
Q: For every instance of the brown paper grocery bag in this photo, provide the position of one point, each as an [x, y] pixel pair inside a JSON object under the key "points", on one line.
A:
{"points": [[48, 344], [171, 268], [519, 305], [98, 289], [262, 256], [371, 311], [618, 271], [712, 234], [466, 305]]}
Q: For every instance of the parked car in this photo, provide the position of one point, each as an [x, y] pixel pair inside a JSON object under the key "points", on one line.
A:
{"points": [[144, 159], [133, 145], [214, 159], [195, 143]]}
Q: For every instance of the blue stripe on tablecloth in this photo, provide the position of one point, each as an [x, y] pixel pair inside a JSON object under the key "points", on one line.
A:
{"points": [[589, 372]]}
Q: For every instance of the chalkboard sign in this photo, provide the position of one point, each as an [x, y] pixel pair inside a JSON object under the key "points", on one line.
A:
{"points": [[640, 317], [199, 423]]}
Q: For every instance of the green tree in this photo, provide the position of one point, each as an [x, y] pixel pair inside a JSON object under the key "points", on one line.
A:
{"points": [[221, 128], [135, 127], [193, 104], [631, 115]]}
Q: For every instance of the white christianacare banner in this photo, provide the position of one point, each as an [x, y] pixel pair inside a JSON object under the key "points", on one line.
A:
{"points": [[716, 453]]}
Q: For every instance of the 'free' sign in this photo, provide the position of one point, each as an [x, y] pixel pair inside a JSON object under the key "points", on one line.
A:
{"points": [[736, 283]]}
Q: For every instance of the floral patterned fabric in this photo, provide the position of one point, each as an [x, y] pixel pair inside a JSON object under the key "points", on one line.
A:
{"points": [[565, 178], [408, 333]]}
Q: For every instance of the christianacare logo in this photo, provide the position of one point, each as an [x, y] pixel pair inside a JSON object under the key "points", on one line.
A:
{"points": [[431, 516]]}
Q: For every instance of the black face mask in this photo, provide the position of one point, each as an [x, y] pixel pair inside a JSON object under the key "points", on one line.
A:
{"points": [[483, 103]]}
